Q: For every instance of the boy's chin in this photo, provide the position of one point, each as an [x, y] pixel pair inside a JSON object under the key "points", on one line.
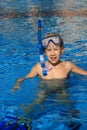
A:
{"points": [[54, 63]]}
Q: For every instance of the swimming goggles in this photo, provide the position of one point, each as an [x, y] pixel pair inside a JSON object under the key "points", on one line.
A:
{"points": [[54, 39]]}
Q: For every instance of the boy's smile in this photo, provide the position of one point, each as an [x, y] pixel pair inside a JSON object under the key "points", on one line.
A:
{"points": [[53, 53]]}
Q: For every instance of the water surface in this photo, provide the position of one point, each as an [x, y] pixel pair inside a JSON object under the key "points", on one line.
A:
{"points": [[59, 107]]}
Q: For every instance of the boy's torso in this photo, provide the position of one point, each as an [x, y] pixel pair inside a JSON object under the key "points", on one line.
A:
{"points": [[59, 71]]}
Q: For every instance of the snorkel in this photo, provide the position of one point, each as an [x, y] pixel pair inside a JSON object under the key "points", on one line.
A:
{"points": [[44, 71]]}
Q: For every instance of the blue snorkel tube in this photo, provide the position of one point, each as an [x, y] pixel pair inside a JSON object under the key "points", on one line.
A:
{"points": [[44, 71]]}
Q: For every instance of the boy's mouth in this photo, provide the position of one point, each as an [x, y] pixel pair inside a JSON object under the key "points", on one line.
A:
{"points": [[53, 58]]}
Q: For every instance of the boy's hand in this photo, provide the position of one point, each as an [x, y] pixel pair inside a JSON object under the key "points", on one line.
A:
{"points": [[16, 86], [20, 80]]}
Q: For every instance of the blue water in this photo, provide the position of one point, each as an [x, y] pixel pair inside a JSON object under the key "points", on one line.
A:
{"points": [[64, 108]]}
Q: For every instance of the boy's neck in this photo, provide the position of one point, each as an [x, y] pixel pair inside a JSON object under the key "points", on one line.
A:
{"points": [[50, 66]]}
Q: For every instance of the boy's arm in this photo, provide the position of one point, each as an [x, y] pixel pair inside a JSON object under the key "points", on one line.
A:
{"points": [[32, 73], [77, 70]]}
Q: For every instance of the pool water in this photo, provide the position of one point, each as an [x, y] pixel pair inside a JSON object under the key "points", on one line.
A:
{"points": [[58, 105]]}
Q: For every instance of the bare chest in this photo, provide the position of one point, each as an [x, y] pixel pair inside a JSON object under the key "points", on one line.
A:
{"points": [[56, 73]]}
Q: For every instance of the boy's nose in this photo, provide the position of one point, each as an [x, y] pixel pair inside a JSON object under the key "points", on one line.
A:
{"points": [[52, 52]]}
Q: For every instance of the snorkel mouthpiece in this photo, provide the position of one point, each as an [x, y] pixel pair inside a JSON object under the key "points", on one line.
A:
{"points": [[44, 71]]}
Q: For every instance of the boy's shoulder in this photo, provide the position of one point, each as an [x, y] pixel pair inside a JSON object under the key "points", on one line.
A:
{"points": [[36, 68], [37, 65], [68, 64]]}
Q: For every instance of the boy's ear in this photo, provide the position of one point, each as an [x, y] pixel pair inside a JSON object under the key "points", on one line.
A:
{"points": [[62, 49], [44, 52]]}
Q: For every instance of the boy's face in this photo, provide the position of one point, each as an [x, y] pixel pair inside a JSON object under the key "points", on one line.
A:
{"points": [[53, 53]]}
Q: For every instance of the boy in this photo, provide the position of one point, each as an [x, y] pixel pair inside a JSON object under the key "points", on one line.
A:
{"points": [[53, 47]]}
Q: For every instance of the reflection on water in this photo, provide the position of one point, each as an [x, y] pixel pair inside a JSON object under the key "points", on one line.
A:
{"points": [[44, 9], [67, 17], [44, 13]]}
